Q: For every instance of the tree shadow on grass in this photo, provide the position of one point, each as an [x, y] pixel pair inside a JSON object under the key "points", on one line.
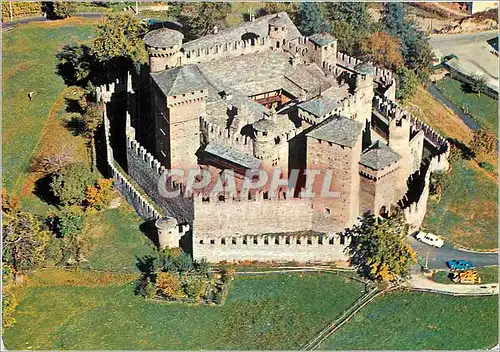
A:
{"points": [[75, 125], [149, 230], [465, 152], [42, 190], [466, 88], [73, 106]]}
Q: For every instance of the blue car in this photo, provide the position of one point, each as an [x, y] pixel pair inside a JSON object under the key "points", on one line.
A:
{"points": [[459, 264]]}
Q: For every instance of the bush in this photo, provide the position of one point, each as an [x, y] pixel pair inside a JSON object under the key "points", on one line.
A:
{"points": [[438, 182], [169, 286], [487, 166], [193, 287]]}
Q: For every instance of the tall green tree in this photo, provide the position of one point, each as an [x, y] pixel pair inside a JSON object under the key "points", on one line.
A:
{"points": [[118, 44], [71, 182], [24, 241], [92, 120], [407, 84], [355, 14], [311, 19], [201, 18], [478, 84], [415, 46], [379, 249]]}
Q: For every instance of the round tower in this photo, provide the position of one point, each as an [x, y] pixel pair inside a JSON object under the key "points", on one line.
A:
{"points": [[278, 31], [264, 141], [164, 49], [168, 233], [364, 91]]}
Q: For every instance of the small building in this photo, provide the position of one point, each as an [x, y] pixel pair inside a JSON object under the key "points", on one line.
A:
{"points": [[473, 7]]}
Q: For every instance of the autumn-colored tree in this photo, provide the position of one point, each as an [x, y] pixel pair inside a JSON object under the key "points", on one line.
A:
{"points": [[484, 143], [9, 298], [52, 162], [9, 203], [384, 50], [99, 196], [169, 285], [379, 249], [24, 241]]}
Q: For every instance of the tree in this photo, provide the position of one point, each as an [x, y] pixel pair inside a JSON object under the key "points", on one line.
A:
{"points": [[99, 196], [71, 182], [70, 220], [10, 204], [348, 39], [75, 64], [384, 50], [379, 249], [310, 18], [407, 84], [9, 298], [174, 9], [92, 119], [62, 9], [24, 241], [52, 162], [484, 143], [478, 84], [118, 44], [415, 46], [438, 182], [202, 17], [356, 14]]}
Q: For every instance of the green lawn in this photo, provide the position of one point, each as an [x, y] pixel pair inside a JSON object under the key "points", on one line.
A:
{"points": [[117, 240], [467, 212], [482, 108], [261, 312], [488, 275], [29, 64], [412, 321]]}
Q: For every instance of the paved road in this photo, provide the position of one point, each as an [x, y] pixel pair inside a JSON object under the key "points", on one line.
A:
{"points": [[472, 49], [439, 256]]}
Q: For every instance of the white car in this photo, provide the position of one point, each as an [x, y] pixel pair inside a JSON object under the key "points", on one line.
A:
{"points": [[430, 239]]}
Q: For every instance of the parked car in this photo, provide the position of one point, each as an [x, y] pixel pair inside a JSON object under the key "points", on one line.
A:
{"points": [[430, 239], [459, 264]]}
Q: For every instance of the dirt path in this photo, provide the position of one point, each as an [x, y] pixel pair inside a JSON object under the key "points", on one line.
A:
{"points": [[425, 282]]}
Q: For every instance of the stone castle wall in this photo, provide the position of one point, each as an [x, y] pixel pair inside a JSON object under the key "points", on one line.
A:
{"points": [[273, 247]]}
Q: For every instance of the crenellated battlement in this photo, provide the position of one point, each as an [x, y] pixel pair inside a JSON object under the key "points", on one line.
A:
{"points": [[280, 196], [391, 111], [233, 48], [381, 74]]}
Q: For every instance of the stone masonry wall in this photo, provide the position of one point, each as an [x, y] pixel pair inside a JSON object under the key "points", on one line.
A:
{"points": [[275, 247]]}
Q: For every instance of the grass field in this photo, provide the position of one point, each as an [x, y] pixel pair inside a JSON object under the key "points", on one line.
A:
{"points": [[29, 64], [488, 275], [263, 312], [482, 108], [413, 321], [467, 213]]}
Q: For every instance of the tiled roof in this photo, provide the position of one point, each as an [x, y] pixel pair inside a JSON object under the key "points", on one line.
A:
{"points": [[378, 155], [163, 38], [233, 156], [259, 26], [339, 130], [319, 106], [322, 39], [180, 80]]}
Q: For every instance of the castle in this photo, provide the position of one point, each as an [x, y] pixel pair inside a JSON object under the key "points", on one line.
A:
{"points": [[261, 96]]}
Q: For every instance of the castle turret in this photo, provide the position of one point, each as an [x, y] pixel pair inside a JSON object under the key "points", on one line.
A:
{"points": [[365, 73], [278, 31], [399, 141], [324, 49], [164, 49], [263, 146], [168, 233]]}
